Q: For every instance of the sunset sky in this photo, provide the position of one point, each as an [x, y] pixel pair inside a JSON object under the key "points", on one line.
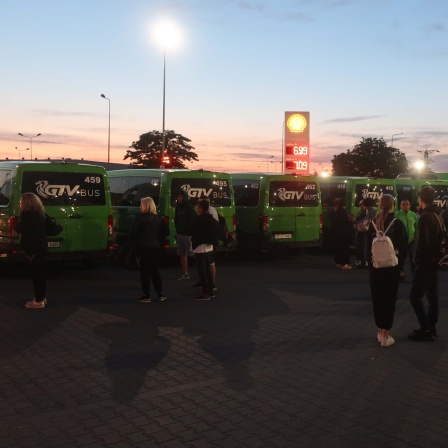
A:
{"points": [[362, 68]]}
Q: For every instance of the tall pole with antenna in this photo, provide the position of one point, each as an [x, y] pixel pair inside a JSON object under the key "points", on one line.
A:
{"points": [[427, 157]]}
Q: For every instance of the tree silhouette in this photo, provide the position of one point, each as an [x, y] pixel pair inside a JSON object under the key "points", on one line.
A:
{"points": [[371, 158], [147, 151]]}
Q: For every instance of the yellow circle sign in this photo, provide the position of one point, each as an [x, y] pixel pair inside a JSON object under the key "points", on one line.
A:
{"points": [[296, 123]]}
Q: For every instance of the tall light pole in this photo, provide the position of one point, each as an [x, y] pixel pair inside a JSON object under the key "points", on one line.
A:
{"points": [[392, 144], [167, 34], [163, 109], [18, 149], [108, 134], [31, 142]]}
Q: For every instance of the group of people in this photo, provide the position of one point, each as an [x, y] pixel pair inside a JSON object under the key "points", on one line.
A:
{"points": [[197, 233], [412, 235]]}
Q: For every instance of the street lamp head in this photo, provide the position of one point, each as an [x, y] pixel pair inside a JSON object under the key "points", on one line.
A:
{"points": [[38, 135], [103, 96], [20, 134], [167, 34]]}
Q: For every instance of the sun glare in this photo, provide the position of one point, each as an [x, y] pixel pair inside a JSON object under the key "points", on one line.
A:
{"points": [[167, 34]]}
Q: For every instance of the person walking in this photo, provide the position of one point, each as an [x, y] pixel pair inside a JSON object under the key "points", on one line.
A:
{"points": [[410, 221], [342, 228], [34, 244], [184, 216], [362, 221], [148, 232], [425, 277], [204, 235], [384, 282]]}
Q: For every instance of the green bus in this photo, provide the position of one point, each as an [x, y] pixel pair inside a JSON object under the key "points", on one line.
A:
{"points": [[407, 188], [277, 210], [129, 186], [76, 195]]}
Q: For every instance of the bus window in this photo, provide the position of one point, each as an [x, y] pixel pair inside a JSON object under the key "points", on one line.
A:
{"points": [[247, 192], [404, 192], [293, 194], [331, 191], [441, 195], [217, 190], [129, 190], [372, 191], [66, 188], [5, 187]]}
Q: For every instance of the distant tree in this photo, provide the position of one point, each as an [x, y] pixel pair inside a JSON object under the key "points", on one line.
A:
{"points": [[372, 158], [147, 151]]}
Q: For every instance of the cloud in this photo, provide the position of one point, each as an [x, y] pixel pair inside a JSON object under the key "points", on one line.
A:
{"points": [[252, 6], [268, 10], [431, 133], [350, 119], [340, 3], [250, 156], [56, 113], [436, 28], [295, 17]]}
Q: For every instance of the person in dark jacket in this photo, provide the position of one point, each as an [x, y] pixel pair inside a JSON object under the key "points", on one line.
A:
{"points": [[384, 282], [148, 232], [365, 215], [184, 215], [204, 235], [342, 229], [33, 242], [425, 277]]}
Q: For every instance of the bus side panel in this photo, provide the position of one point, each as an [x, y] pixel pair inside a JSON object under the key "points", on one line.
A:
{"points": [[49, 183], [78, 198], [332, 189], [248, 209], [88, 211], [217, 187], [294, 212], [277, 211], [126, 191]]}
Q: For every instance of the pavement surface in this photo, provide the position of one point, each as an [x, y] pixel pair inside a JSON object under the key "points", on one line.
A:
{"points": [[284, 356]]}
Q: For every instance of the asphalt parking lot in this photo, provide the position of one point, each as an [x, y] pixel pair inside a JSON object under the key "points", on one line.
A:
{"points": [[285, 356]]}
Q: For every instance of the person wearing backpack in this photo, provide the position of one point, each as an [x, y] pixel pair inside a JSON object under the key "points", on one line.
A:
{"points": [[425, 278], [387, 241]]}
